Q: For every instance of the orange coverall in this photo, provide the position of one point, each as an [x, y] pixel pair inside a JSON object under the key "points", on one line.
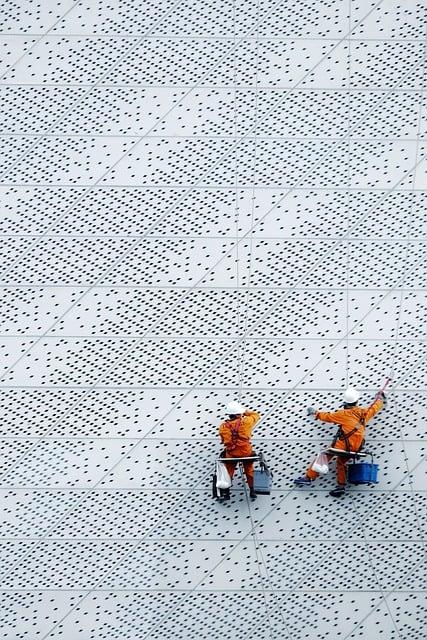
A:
{"points": [[347, 419], [236, 436]]}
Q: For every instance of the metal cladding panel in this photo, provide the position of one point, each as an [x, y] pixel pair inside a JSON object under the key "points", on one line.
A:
{"points": [[200, 199]]}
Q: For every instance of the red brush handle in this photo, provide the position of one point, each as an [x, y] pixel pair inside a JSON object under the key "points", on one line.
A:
{"points": [[384, 387]]}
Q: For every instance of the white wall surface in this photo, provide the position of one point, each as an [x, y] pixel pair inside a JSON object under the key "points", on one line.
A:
{"points": [[197, 197]]}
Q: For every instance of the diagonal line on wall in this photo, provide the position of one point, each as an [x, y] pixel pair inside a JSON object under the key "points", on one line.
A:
{"points": [[120, 59], [245, 538], [315, 565], [230, 350], [413, 367], [369, 513], [243, 237], [140, 138], [386, 596], [119, 561], [84, 495], [134, 246], [39, 38], [369, 556], [230, 150]]}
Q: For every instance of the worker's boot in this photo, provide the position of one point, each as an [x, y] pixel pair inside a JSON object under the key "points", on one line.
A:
{"points": [[338, 492], [225, 494], [252, 494], [303, 481]]}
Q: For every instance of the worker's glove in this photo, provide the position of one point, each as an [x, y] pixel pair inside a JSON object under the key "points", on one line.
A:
{"points": [[223, 453], [311, 411], [383, 397]]}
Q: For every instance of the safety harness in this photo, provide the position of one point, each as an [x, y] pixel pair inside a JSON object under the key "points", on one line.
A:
{"points": [[235, 432], [345, 437]]}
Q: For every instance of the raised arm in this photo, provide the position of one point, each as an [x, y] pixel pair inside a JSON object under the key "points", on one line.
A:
{"points": [[371, 411], [252, 417], [335, 417]]}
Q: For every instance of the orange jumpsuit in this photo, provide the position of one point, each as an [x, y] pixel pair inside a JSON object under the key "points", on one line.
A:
{"points": [[236, 436], [347, 419]]}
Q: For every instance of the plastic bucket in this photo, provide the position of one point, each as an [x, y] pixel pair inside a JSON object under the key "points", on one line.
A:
{"points": [[362, 472], [262, 482]]}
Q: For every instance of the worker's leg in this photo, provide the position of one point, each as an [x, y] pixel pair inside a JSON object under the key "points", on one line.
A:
{"points": [[249, 473], [311, 474], [342, 469], [231, 466]]}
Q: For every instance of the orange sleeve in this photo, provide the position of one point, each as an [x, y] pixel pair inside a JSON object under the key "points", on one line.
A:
{"points": [[371, 411], [225, 434], [336, 417], [251, 418]]}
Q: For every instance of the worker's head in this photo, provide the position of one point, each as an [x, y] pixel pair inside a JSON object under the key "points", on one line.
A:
{"points": [[351, 397], [234, 409]]}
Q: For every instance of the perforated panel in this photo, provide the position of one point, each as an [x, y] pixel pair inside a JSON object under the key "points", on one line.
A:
{"points": [[196, 198]]}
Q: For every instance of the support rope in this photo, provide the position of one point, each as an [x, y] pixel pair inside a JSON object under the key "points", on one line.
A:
{"points": [[394, 357], [261, 562], [347, 241], [236, 191], [372, 566], [241, 348]]}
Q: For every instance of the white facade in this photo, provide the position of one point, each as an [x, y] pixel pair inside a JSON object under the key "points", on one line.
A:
{"points": [[198, 197]]}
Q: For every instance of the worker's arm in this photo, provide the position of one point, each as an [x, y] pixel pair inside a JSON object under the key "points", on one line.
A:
{"points": [[373, 409], [225, 435], [335, 417], [252, 417]]}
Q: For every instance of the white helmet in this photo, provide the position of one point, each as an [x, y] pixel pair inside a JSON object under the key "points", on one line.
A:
{"points": [[351, 395], [234, 408]]}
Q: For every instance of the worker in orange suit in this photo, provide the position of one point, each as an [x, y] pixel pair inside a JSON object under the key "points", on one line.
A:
{"points": [[350, 436], [235, 434]]}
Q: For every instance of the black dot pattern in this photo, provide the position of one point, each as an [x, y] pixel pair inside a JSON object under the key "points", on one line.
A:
{"points": [[196, 196]]}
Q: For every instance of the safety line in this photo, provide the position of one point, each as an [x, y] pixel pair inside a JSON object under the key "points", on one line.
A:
{"points": [[260, 559], [274, 407], [401, 298], [318, 563], [338, 342], [127, 352], [371, 564], [368, 551], [236, 188], [349, 181], [241, 345], [248, 285]]}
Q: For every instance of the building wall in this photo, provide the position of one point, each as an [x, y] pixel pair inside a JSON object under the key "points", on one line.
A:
{"points": [[203, 201]]}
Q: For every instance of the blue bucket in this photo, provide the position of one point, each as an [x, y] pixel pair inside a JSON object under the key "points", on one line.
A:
{"points": [[362, 473], [262, 482]]}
